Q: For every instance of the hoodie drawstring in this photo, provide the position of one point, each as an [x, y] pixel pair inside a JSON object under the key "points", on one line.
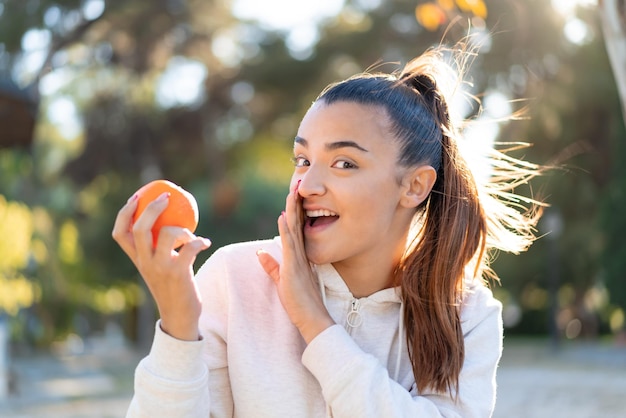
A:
{"points": [[396, 373], [329, 413]]}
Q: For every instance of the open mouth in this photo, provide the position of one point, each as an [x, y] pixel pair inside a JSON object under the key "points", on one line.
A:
{"points": [[320, 217]]}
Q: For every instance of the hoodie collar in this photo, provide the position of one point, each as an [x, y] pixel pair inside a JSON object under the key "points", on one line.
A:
{"points": [[334, 283]]}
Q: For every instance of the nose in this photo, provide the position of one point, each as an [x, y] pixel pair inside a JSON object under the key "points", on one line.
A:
{"points": [[312, 182]]}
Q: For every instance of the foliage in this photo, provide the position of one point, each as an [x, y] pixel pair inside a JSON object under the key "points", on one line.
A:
{"points": [[16, 226], [229, 144]]}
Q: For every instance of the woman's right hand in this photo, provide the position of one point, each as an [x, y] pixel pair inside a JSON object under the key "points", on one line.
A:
{"points": [[168, 273]]}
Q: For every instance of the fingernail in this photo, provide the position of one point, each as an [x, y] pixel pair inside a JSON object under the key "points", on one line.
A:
{"points": [[132, 198], [295, 190], [163, 196], [282, 213], [206, 242]]}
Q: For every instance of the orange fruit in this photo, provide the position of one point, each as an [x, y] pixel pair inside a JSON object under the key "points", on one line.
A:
{"points": [[182, 210]]}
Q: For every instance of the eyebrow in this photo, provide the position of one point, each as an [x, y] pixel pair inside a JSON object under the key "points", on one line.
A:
{"points": [[332, 145]]}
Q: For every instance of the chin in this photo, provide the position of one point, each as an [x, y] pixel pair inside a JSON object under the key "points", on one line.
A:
{"points": [[317, 257]]}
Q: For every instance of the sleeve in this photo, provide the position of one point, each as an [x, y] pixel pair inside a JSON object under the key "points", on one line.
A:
{"points": [[189, 378], [169, 380], [355, 383]]}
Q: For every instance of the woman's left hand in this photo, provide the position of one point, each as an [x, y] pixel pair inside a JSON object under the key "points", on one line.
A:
{"points": [[295, 280]]}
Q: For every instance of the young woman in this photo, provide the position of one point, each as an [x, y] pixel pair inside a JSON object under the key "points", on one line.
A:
{"points": [[371, 302]]}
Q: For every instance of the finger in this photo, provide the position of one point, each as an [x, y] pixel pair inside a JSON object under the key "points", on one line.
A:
{"points": [[122, 227], [171, 237], [286, 238], [188, 253], [294, 215], [269, 264], [142, 229], [291, 209], [299, 218]]}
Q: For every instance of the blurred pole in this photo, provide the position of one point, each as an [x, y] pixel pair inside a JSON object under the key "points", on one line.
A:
{"points": [[553, 227], [4, 358], [612, 13]]}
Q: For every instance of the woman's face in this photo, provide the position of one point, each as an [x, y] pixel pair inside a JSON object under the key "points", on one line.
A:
{"points": [[350, 184]]}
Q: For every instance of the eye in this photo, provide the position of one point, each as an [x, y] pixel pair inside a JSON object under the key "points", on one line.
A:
{"points": [[343, 164], [300, 161]]}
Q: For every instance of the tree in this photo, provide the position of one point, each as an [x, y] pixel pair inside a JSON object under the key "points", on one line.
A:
{"points": [[229, 143], [613, 14]]}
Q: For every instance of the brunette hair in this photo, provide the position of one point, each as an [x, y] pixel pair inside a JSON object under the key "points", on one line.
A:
{"points": [[461, 220]]}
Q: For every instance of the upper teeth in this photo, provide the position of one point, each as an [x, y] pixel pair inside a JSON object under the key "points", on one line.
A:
{"points": [[318, 213]]}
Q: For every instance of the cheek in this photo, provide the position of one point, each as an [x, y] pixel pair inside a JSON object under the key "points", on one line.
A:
{"points": [[379, 201], [374, 193]]}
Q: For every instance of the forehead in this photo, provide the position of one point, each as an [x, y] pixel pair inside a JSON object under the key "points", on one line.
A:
{"points": [[343, 120]]}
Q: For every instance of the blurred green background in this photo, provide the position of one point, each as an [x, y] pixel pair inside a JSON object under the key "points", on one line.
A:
{"points": [[98, 97]]}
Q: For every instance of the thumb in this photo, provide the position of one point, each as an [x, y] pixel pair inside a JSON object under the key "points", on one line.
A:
{"points": [[190, 250], [269, 264]]}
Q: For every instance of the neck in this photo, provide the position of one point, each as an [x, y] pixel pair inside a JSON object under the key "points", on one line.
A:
{"points": [[366, 278], [361, 280]]}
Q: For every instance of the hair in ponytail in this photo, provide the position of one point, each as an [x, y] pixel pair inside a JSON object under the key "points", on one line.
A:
{"points": [[462, 219]]}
